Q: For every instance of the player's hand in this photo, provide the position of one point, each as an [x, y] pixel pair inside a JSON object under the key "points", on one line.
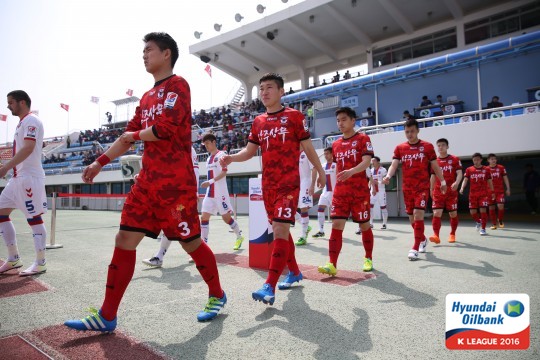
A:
{"points": [[344, 175], [386, 180], [90, 172], [205, 184], [127, 137], [492, 196], [136, 178], [461, 191], [455, 186], [225, 160], [321, 179], [444, 188], [311, 190], [3, 171], [508, 192], [373, 192]]}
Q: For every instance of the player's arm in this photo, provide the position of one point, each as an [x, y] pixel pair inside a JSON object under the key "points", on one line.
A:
{"points": [[438, 172], [431, 184], [20, 156], [490, 185], [464, 185], [243, 155], [391, 171], [507, 184], [313, 181], [118, 148], [459, 177], [313, 158], [362, 166]]}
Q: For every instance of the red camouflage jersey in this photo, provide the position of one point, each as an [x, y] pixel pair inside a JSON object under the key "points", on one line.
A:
{"points": [[449, 167], [497, 174], [478, 178], [167, 163], [348, 154], [416, 164], [279, 135]]}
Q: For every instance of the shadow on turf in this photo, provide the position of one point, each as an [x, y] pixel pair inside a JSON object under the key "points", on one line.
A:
{"points": [[177, 278], [334, 341], [486, 269]]}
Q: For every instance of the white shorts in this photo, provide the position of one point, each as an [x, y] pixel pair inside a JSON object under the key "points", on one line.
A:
{"points": [[326, 199], [26, 194], [305, 200], [218, 204], [379, 198]]}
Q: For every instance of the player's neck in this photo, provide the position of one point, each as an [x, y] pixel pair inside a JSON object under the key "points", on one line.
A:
{"points": [[414, 141], [443, 155], [214, 152], [274, 108], [25, 115], [349, 133], [162, 74]]}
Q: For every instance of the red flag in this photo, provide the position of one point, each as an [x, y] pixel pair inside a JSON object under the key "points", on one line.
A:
{"points": [[129, 92], [94, 99], [3, 117], [208, 69], [65, 107]]}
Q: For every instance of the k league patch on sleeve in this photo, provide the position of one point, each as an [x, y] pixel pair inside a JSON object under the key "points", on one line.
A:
{"points": [[30, 131], [170, 100]]}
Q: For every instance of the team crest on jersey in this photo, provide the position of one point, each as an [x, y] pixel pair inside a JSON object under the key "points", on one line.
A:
{"points": [[303, 156], [421, 148], [369, 146], [31, 131], [283, 119], [160, 93], [354, 143], [170, 100], [450, 161]]}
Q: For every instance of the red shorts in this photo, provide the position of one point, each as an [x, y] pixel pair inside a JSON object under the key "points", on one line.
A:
{"points": [[447, 201], [499, 198], [415, 200], [356, 205], [173, 211], [478, 201], [281, 204]]}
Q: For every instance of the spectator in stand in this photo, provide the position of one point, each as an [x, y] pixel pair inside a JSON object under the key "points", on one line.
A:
{"points": [[336, 77], [347, 75], [370, 112], [407, 115], [324, 82], [425, 101], [291, 91], [439, 100], [495, 103]]}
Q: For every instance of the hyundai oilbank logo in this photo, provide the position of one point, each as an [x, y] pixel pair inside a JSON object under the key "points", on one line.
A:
{"points": [[514, 308]]}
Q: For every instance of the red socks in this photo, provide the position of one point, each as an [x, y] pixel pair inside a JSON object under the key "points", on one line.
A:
{"points": [[453, 225], [418, 233], [476, 217], [280, 255], [206, 264], [436, 223], [120, 273], [291, 260], [493, 216], [367, 240], [334, 245], [483, 217], [501, 215]]}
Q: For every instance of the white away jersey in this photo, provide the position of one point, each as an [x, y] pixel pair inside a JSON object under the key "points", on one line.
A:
{"points": [[195, 164], [29, 128], [214, 169], [330, 171], [305, 168], [378, 175]]}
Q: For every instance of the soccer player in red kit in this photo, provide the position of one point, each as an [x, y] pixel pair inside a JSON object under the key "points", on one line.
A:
{"points": [[279, 133], [416, 157], [352, 154], [481, 187], [500, 180], [164, 197], [453, 174]]}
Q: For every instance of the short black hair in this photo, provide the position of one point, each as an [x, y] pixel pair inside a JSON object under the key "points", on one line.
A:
{"points": [[442, 140], [368, 109], [406, 112], [477, 154], [208, 136], [20, 95], [377, 158], [164, 41], [273, 77], [439, 96], [411, 122], [328, 149], [492, 155], [495, 97], [424, 97], [346, 110]]}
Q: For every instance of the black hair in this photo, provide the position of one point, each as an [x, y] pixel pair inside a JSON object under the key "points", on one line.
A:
{"points": [[164, 41], [411, 123], [492, 155], [377, 158], [273, 77], [346, 110], [443, 140], [208, 136], [328, 149], [20, 95], [477, 154]]}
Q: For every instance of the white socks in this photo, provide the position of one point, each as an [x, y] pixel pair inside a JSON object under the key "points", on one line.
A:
{"points": [[8, 233], [40, 240], [163, 247]]}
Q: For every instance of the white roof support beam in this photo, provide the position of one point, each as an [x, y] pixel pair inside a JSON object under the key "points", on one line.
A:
{"points": [[279, 49], [318, 43], [349, 25], [256, 62], [394, 12], [455, 9]]}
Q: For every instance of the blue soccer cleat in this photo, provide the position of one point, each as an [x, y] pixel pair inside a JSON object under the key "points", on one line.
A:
{"points": [[93, 322], [289, 280], [265, 294], [212, 308]]}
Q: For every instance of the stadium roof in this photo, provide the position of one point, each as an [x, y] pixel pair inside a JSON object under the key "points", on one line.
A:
{"points": [[320, 36], [125, 101]]}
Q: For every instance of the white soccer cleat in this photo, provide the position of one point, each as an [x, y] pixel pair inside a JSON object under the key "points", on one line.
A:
{"points": [[423, 246], [9, 265], [413, 255], [483, 232], [153, 262], [34, 269]]}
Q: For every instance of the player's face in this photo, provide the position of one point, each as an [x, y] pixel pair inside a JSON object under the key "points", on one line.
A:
{"points": [[442, 147], [492, 161], [14, 106], [328, 156], [411, 132], [154, 58], [270, 93], [345, 123], [209, 145], [477, 161], [374, 163]]}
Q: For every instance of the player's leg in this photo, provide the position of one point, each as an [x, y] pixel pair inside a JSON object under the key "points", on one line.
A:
{"points": [[384, 209], [493, 215], [473, 209], [420, 240], [320, 218], [483, 214], [500, 207], [209, 207], [436, 225], [454, 221], [157, 260], [304, 221], [360, 214], [335, 243], [372, 202], [294, 274], [233, 224], [39, 234], [10, 239]]}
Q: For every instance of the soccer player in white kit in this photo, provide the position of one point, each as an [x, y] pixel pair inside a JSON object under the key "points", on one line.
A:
{"points": [[326, 197], [157, 260], [26, 189], [378, 190], [307, 186]]}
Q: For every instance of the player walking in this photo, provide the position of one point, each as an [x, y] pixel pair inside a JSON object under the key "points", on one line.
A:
{"points": [[163, 198], [279, 133], [26, 189], [416, 157]]}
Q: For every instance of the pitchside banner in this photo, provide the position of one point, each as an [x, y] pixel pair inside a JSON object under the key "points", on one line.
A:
{"points": [[487, 321], [260, 233]]}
